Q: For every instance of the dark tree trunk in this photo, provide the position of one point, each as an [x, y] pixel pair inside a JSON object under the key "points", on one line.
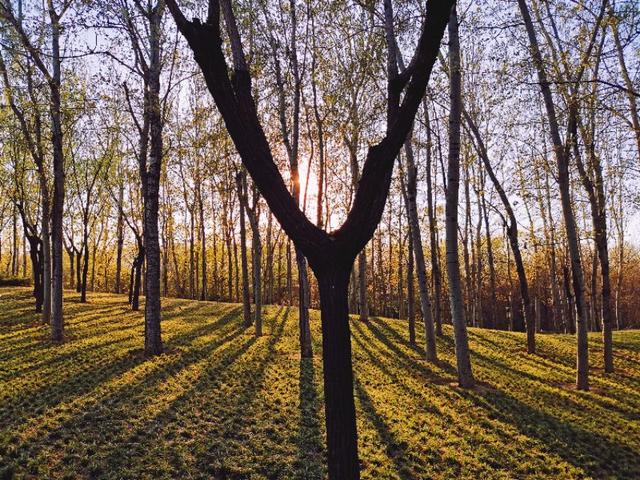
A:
{"points": [[72, 267], [57, 210], [246, 301], [85, 261], [411, 295], [256, 257], [119, 240], [203, 243], [79, 269], [306, 349], [135, 280], [35, 252], [342, 439]]}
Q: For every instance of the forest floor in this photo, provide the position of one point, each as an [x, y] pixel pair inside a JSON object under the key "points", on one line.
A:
{"points": [[223, 404]]}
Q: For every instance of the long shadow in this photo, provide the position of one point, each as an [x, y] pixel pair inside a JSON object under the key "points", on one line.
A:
{"points": [[387, 373], [596, 455], [556, 364], [249, 388], [191, 399], [126, 398], [144, 436], [311, 459], [407, 361], [429, 400], [381, 331], [395, 449], [90, 377], [51, 364], [632, 343]]}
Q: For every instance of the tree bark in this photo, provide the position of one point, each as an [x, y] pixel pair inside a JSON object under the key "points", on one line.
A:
{"points": [[57, 210], [465, 375], [256, 258], [152, 337], [246, 301], [420, 263], [512, 234], [582, 377], [85, 257], [411, 309], [342, 439], [119, 239]]}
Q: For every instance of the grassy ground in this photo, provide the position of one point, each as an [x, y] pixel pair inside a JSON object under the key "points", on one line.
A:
{"points": [[223, 404]]}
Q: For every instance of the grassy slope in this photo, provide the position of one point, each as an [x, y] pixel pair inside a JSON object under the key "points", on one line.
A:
{"points": [[222, 404]]}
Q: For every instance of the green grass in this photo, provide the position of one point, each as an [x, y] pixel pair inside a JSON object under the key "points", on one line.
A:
{"points": [[223, 404]]}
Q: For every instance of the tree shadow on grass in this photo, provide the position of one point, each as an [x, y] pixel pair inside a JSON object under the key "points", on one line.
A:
{"points": [[111, 409], [597, 455], [311, 459], [396, 450], [91, 375], [238, 432], [190, 414], [603, 393], [382, 333]]}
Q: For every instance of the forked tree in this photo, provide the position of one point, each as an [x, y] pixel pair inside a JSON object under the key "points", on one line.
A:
{"points": [[331, 255]]}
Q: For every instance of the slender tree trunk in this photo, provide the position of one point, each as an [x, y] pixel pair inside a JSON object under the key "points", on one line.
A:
{"points": [[153, 339], [257, 274], [14, 244], [46, 259], [138, 264], [246, 301], [491, 323], [35, 253], [79, 254], [463, 359], [72, 267], [57, 211], [203, 249], [582, 378], [466, 240], [85, 260], [119, 239], [229, 262], [411, 309], [421, 268], [306, 349], [289, 275], [236, 269], [619, 223], [192, 263], [363, 306], [436, 274]]}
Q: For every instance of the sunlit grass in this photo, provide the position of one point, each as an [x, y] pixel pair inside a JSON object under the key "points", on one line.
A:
{"points": [[223, 404]]}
